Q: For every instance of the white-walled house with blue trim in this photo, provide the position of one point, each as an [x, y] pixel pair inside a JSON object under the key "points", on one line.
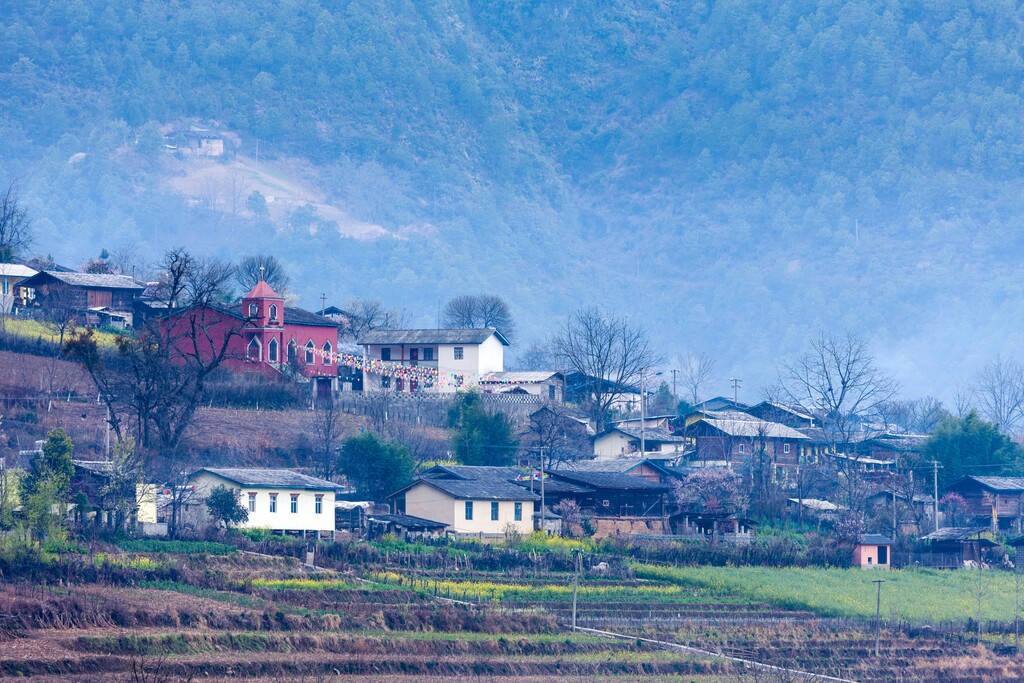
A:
{"points": [[276, 499]]}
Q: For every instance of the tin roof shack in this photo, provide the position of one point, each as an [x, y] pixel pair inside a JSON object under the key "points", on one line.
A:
{"points": [[714, 526], [954, 547], [995, 501], [872, 551], [620, 503]]}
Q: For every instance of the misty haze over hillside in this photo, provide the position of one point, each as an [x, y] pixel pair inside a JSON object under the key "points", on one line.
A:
{"points": [[737, 177]]}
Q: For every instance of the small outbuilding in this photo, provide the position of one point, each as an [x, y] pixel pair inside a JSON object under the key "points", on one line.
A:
{"points": [[871, 551], [406, 527]]}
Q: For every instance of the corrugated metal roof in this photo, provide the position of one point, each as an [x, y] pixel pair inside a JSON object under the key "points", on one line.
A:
{"points": [[270, 478], [399, 337]]}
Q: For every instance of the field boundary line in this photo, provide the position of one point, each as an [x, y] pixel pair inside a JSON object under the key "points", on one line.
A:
{"points": [[717, 655]]}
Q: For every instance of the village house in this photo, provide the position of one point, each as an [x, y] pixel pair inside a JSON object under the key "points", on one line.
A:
{"points": [[620, 441], [265, 336], [992, 501], [93, 298], [14, 295], [544, 385], [477, 501], [434, 361], [617, 503], [103, 503], [732, 436], [276, 499]]}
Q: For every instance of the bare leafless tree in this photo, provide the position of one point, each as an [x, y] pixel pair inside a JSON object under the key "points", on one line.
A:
{"points": [[999, 392], [556, 433], [838, 378], [477, 311], [372, 314], [251, 269], [608, 352], [963, 400], [695, 372], [326, 429], [15, 225], [157, 379], [237, 188], [126, 260]]}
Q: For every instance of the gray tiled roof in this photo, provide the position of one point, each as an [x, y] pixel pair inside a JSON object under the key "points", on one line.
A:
{"points": [[300, 316], [608, 480], [473, 472], [480, 489], [270, 478], [874, 539], [653, 434], [1000, 483], [398, 337], [95, 280], [955, 533], [735, 423]]}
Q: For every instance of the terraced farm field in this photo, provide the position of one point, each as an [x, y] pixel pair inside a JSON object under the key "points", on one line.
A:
{"points": [[165, 617]]}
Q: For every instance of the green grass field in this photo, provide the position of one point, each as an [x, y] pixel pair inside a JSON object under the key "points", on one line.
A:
{"points": [[915, 594]]}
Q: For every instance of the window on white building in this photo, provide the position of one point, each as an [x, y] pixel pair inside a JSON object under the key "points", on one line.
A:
{"points": [[469, 509], [273, 502], [252, 502], [459, 353], [385, 354], [295, 503], [494, 511], [319, 506]]}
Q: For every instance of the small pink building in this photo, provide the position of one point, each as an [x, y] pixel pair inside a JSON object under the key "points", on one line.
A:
{"points": [[872, 550]]}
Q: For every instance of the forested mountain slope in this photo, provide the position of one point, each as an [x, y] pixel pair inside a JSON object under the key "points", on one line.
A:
{"points": [[738, 175]]}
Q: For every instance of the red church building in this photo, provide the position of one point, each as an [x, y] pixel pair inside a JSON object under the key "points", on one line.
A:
{"points": [[268, 337]]}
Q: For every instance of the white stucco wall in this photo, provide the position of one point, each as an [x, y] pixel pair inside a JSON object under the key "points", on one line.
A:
{"points": [[306, 519], [491, 356], [477, 359], [611, 445]]}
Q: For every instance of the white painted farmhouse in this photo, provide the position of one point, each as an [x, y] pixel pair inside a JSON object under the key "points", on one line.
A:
{"points": [[437, 361], [281, 500]]}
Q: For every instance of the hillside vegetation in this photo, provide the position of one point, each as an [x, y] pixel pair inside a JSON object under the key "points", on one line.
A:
{"points": [[740, 175]]}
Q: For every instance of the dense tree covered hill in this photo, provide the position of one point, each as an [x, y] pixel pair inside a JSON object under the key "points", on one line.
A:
{"points": [[738, 174]]}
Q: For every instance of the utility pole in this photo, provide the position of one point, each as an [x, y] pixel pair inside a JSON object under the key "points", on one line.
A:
{"points": [[576, 585], [935, 495], [643, 421], [323, 303], [736, 382], [543, 527], [878, 614], [675, 397]]}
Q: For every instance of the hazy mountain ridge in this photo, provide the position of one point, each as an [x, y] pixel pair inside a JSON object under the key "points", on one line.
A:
{"points": [[739, 176]]}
